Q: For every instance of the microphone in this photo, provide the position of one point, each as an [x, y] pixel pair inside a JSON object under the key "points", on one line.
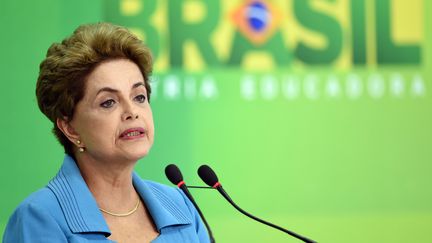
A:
{"points": [[174, 175], [210, 178]]}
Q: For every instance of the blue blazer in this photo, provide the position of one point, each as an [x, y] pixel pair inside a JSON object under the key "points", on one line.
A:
{"points": [[66, 211]]}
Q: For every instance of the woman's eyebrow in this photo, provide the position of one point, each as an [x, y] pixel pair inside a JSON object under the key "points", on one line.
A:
{"points": [[136, 85], [107, 89], [111, 90]]}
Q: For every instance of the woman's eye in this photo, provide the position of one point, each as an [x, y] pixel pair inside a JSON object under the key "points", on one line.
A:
{"points": [[140, 98], [108, 103]]}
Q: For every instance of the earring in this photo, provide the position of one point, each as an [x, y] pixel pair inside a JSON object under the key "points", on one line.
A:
{"points": [[81, 149]]}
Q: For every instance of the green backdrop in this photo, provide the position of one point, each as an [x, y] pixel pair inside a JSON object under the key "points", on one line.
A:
{"points": [[315, 114]]}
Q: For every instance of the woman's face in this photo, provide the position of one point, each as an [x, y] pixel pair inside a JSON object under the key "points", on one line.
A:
{"points": [[114, 120]]}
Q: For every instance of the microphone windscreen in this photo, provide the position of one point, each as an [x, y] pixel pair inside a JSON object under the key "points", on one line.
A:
{"points": [[207, 175], [173, 174]]}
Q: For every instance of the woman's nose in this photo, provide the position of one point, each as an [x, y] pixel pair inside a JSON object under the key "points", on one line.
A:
{"points": [[129, 113], [129, 116]]}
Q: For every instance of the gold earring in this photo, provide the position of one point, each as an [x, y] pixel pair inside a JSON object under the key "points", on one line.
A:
{"points": [[78, 142], [81, 149]]}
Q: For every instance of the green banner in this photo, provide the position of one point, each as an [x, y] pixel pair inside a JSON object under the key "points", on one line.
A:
{"points": [[314, 113]]}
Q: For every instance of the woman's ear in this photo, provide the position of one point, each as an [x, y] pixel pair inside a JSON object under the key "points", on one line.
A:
{"points": [[65, 126]]}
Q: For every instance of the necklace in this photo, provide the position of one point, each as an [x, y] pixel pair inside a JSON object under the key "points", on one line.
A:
{"points": [[122, 214]]}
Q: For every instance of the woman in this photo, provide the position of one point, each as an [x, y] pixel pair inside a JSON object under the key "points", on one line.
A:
{"points": [[94, 87]]}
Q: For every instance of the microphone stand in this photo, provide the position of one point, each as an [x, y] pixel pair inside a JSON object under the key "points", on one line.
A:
{"points": [[184, 188], [225, 195]]}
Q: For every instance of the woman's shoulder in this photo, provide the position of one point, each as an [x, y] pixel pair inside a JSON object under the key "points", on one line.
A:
{"points": [[41, 202], [43, 198], [36, 215]]}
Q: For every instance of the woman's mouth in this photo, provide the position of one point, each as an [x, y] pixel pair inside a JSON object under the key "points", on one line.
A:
{"points": [[133, 133]]}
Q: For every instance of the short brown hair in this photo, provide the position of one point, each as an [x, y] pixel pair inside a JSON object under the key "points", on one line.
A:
{"points": [[62, 75]]}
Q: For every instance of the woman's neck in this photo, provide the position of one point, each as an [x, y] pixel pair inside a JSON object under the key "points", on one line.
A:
{"points": [[110, 183]]}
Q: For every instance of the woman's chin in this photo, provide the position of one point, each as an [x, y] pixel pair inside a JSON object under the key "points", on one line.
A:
{"points": [[138, 154], [136, 151], [142, 155]]}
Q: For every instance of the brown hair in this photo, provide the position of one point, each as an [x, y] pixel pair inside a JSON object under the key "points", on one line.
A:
{"points": [[62, 75]]}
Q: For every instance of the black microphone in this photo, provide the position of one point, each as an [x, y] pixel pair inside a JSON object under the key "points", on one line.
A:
{"points": [[210, 178], [175, 176]]}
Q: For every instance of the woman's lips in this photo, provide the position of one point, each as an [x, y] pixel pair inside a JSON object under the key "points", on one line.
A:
{"points": [[133, 133]]}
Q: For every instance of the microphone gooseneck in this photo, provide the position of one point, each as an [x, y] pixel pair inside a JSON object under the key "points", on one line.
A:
{"points": [[175, 176], [209, 177]]}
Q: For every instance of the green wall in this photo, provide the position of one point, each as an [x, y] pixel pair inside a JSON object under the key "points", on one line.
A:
{"points": [[321, 126]]}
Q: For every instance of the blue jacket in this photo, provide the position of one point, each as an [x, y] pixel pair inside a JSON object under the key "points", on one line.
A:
{"points": [[66, 211]]}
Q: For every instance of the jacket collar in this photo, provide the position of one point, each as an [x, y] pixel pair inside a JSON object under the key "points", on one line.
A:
{"points": [[163, 209], [81, 210]]}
